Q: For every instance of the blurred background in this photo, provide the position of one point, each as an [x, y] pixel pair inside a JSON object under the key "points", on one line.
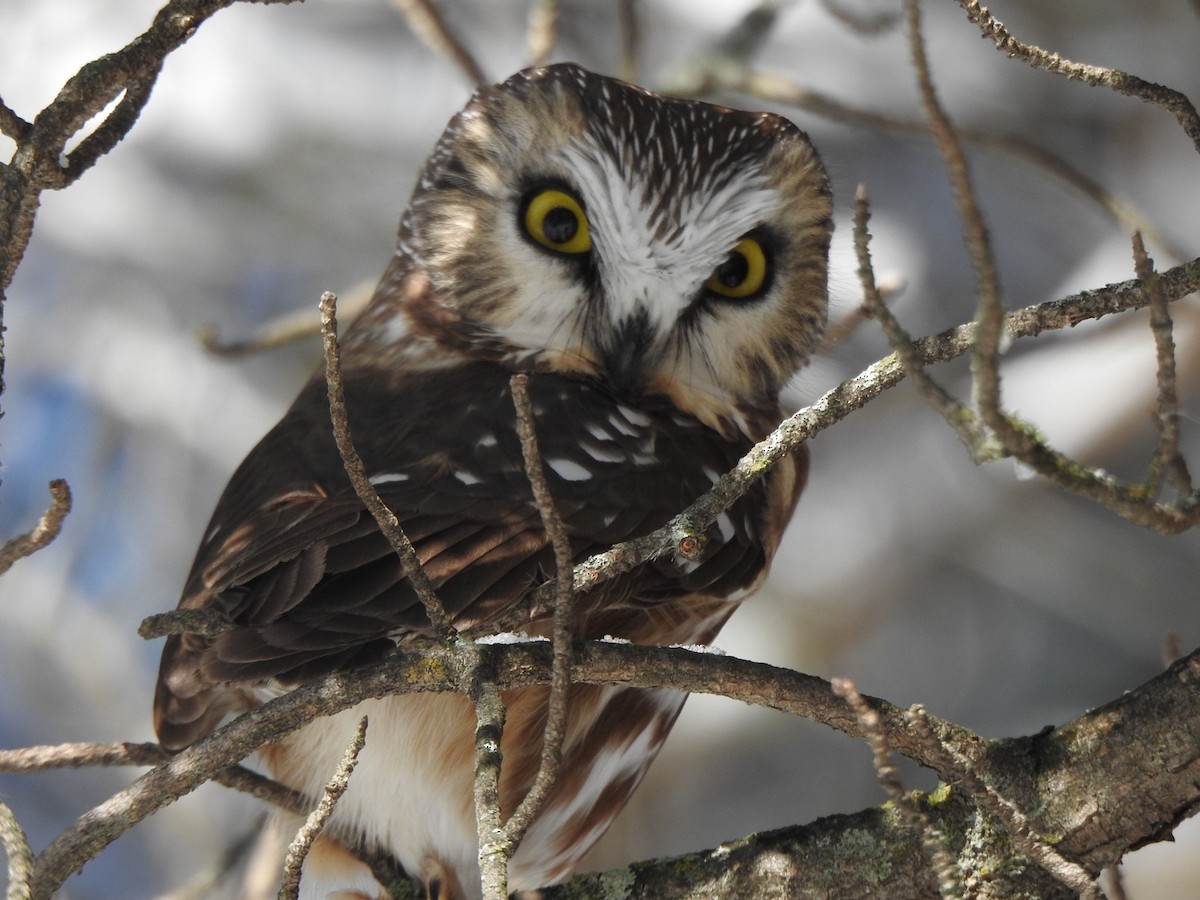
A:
{"points": [[272, 164]]}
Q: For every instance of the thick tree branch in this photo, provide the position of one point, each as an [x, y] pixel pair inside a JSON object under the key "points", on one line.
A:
{"points": [[1127, 769]]}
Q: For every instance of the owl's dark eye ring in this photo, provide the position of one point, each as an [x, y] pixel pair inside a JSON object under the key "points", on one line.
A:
{"points": [[556, 220], [745, 271]]}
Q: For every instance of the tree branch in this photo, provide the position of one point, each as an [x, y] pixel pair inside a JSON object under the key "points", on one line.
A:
{"points": [[427, 22], [46, 530], [1168, 99], [384, 517], [297, 852], [564, 624]]}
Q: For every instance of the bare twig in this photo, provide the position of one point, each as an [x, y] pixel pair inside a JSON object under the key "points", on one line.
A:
{"points": [[989, 316], [386, 519], [426, 20], [79, 755], [732, 51], [286, 329], [493, 846], [961, 419], [631, 39], [42, 161], [778, 89], [205, 884], [543, 30], [1170, 100], [1167, 461], [1010, 436], [949, 881], [869, 24], [207, 622], [44, 532], [20, 857], [1071, 874], [564, 622], [840, 331], [297, 852]]}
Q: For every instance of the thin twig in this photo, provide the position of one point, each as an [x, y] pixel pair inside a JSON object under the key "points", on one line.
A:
{"points": [[778, 89], [961, 419], [386, 519], [840, 331], [82, 754], [1164, 97], [627, 18], [20, 857], [1071, 874], [426, 20], [564, 622], [44, 532], [859, 21], [744, 41], [989, 315], [208, 622], [297, 852], [1167, 461], [286, 329], [489, 728], [206, 883], [949, 880], [543, 30]]}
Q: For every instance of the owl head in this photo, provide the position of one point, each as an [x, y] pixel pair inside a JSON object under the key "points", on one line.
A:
{"points": [[574, 223]]}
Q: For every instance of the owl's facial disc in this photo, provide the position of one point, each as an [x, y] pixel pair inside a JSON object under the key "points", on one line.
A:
{"points": [[577, 224]]}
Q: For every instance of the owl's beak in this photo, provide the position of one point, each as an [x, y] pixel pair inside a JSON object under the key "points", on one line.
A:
{"points": [[625, 353]]}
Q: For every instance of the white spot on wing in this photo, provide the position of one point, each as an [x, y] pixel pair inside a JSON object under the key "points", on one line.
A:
{"points": [[622, 426], [568, 469], [388, 478], [466, 477], [634, 416], [602, 453]]}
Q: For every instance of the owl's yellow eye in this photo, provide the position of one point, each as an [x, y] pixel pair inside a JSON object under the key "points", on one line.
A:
{"points": [[556, 220], [742, 273]]}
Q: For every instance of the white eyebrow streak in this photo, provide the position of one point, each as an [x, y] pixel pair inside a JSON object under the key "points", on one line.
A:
{"points": [[718, 210]]}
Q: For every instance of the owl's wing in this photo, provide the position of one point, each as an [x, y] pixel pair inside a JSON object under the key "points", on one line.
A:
{"points": [[300, 568]]}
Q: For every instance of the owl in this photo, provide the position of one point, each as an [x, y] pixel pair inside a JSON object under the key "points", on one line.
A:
{"points": [[658, 267]]}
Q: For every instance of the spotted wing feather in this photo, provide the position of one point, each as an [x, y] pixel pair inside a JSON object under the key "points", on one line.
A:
{"points": [[299, 567]]}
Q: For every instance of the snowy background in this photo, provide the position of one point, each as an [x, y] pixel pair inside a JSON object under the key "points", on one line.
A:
{"points": [[272, 164]]}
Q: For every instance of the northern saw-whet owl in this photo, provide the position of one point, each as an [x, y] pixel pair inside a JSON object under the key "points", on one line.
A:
{"points": [[658, 266]]}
